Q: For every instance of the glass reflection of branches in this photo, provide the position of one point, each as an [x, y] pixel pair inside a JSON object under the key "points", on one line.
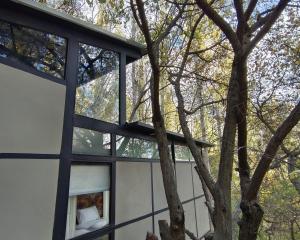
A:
{"points": [[97, 94], [90, 142], [136, 148], [43, 51]]}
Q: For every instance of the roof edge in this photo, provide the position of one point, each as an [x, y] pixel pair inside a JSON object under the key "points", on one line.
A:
{"points": [[149, 130], [84, 24]]}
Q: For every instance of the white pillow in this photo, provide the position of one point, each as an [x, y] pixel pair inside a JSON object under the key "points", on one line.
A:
{"points": [[87, 215]]}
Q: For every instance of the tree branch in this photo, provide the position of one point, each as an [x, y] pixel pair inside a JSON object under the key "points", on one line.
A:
{"points": [[189, 112], [220, 22], [270, 151], [269, 21], [164, 34], [250, 9]]}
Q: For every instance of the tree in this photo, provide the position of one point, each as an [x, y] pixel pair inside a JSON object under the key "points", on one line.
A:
{"points": [[176, 229], [243, 40]]}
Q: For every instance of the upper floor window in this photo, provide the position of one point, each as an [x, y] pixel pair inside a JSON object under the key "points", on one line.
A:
{"points": [[183, 153], [136, 148], [42, 51], [97, 94], [90, 142]]}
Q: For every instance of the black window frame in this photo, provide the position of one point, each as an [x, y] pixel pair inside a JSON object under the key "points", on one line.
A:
{"points": [[27, 68], [92, 43]]}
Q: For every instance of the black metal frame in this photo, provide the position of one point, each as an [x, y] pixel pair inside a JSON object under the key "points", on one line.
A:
{"points": [[25, 16]]}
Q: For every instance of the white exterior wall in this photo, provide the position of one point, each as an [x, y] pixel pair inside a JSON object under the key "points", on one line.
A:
{"points": [[32, 111], [134, 231], [28, 193], [202, 216], [197, 183], [184, 180], [133, 190]]}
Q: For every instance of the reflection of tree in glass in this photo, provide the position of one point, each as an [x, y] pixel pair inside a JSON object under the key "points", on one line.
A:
{"points": [[134, 147], [97, 93], [182, 153], [42, 51], [90, 142]]}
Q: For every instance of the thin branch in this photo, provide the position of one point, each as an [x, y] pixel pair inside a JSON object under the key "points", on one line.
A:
{"points": [[220, 22], [270, 151], [164, 34], [208, 48], [189, 112], [250, 9], [270, 20]]}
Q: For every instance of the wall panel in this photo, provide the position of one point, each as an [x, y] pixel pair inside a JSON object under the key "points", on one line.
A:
{"points": [[197, 183], [32, 110], [184, 180], [202, 216], [134, 231], [190, 218], [28, 193], [133, 190]]}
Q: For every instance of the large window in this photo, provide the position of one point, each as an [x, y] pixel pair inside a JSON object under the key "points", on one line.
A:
{"points": [[97, 94], [89, 194], [42, 51]]}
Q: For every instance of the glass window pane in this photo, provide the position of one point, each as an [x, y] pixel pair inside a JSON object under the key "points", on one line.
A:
{"points": [[136, 148], [89, 199], [97, 94], [43, 51], [182, 153], [90, 142]]}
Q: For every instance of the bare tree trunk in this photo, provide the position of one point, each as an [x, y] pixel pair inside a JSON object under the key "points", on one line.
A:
{"points": [[223, 215]]}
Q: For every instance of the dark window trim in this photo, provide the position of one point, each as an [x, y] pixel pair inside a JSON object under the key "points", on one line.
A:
{"points": [[106, 127], [25, 67], [60, 28], [100, 45], [61, 208], [18, 18], [29, 156], [23, 15]]}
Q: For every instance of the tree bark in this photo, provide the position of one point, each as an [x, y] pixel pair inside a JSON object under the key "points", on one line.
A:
{"points": [[176, 230], [251, 220]]}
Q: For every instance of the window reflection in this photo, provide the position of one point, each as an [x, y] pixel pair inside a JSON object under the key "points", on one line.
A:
{"points": [[90, 142], [136, 148], [183, 153], [97, 94], [43, 51]]}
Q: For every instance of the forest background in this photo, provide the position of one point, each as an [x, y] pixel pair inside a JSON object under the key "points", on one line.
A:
{"points": [[274, 87]]}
